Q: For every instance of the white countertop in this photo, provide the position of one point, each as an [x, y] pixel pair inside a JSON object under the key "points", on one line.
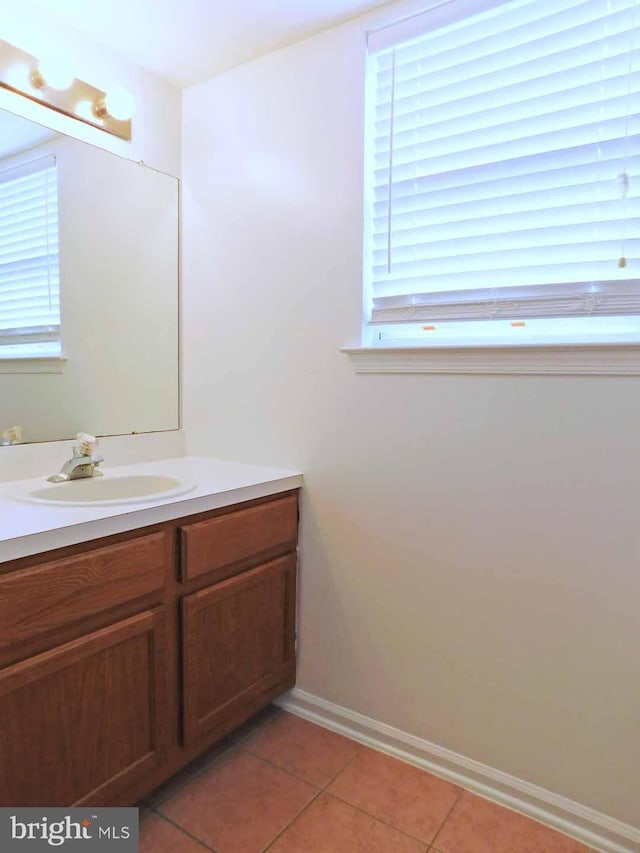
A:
{"points": [[27, 528]]}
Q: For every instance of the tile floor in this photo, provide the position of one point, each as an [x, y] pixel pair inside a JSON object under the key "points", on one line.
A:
{"points": [[284, 785]]}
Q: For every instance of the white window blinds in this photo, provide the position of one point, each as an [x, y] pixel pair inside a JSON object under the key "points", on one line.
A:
{"points": [[29, 270], [502, 168]]}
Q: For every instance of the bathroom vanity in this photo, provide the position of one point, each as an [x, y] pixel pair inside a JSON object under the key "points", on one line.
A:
{"points": [[124, 657]]}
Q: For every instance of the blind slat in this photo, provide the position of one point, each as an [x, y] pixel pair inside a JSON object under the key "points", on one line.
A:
{"points": [[604, 298], [470, 279]]}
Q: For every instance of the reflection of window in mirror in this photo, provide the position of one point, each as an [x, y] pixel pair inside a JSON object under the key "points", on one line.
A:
{"points": [[29, 260], [114, 226]]}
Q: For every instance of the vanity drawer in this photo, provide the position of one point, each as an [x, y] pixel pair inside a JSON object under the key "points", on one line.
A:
{"points": [[210, 545], [48, 596]]}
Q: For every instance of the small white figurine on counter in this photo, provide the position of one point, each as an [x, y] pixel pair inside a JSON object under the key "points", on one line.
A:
{"points": [[11, 435]]}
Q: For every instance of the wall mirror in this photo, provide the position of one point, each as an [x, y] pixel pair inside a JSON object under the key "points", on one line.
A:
{"points": [[88, 288]]}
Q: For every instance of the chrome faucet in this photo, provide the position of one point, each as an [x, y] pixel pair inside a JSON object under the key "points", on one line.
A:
{"points": [[83, 463]]}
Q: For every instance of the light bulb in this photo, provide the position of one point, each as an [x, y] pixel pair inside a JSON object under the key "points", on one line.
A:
{"points": [[84, 109], [120, 104], [56, 74], [17, 76]]}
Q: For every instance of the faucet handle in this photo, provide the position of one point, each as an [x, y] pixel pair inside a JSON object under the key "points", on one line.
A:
{"points": [[86, 444]]}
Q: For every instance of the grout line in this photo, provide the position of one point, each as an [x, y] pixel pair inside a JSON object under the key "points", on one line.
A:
{"points": [[559, 815], [189, 778], [292, 821], [241, 742], [215, 760], [284, 770], [241, 745], [379, 819], [342, 769], [323, 790], [184, 831], [433, 840], [361, 810]]}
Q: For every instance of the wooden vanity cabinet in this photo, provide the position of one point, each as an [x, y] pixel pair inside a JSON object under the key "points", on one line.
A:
{"points": [[124, 658], [84, 718], [238, 642]]}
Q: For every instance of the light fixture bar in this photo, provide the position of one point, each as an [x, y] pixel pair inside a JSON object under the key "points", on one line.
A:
{"points": [[20, 73]]}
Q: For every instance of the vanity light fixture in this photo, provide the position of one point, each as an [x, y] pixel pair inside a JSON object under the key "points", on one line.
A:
{"points": [[52, 84], [119, 104], [52, 74]]}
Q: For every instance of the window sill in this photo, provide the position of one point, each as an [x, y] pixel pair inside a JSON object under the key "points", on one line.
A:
{"points": [[46, 364], [557, 359]]}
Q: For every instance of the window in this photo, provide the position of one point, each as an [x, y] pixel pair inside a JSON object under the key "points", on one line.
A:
{"points": [[502, 189], [29, 271]]}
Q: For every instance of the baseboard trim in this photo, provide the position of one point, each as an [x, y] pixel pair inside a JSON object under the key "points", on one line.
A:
{"points": [[593, 828]]}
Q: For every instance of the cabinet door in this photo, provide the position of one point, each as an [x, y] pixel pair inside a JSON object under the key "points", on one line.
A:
{"points": [[83, 720], [238, 642]]}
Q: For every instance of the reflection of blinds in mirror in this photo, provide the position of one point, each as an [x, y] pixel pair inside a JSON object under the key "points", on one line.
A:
{"points": [[29, 260]]}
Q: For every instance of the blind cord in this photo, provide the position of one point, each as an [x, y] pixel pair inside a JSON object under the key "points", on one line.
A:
{"points": [[623, 177]]}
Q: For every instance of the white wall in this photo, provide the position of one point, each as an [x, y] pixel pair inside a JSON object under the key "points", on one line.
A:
{"points": [[156, 139], [469, 566]]}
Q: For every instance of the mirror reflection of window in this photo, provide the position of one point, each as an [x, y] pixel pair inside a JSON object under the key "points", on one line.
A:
{"points": [[89, 244], [29, 260]]}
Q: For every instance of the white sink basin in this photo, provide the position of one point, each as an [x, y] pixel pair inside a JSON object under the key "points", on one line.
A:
{"points": [[108, 490]]}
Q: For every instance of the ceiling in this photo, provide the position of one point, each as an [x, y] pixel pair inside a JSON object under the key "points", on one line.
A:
{"points": [[187, 41]]}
